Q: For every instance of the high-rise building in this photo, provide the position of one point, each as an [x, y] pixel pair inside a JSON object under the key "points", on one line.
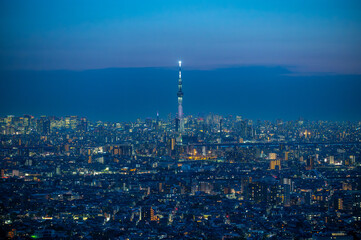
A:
{"points": [[309, 163], [172, 144], [82, 125], [147, 214], [257, 192], [275, 164], [43, 126], [331, 159], [220, 126], [272, 156], [286, 156]]}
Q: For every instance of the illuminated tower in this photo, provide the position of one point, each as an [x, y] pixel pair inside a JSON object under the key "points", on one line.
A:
{"points": [[180, 120]]}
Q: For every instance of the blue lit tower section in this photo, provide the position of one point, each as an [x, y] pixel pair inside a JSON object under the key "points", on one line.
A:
{"points": [[180, 120]]}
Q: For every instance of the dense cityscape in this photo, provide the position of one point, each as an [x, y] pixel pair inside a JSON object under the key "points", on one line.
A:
{"points": [[224, 177]]}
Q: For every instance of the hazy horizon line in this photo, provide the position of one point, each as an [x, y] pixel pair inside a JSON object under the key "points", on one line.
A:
{"points": [[195, 116], [293, 70]]}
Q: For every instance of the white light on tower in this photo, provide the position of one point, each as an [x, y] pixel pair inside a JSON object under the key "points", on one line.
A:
{"points": [[180, 63]]}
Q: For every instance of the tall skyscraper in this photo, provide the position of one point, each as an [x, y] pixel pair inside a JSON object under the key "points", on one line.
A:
{"points": [[43, 125], [179, 119], [309, 163], [147, 214]]}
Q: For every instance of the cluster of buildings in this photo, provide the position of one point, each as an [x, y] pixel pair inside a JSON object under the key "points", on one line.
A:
{"points": [[218, 178]]}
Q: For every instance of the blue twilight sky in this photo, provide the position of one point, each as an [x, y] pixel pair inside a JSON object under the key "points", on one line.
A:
{"points": [[307, 36]]}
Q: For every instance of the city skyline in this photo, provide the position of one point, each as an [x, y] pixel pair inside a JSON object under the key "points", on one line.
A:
{"points": [[132, 120], [228, 178]]}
